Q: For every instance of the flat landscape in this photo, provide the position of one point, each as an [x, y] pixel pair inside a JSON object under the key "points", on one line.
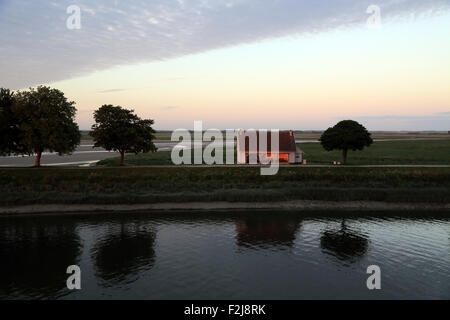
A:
{"points": [[225, 151], [388, 171], [401, 152], [388, 149]]}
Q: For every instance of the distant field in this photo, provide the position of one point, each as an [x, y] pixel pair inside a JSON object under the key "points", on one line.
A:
{"points": [[380, 153], [313, 136], [316, 136], [165, 136], [384, 153], [188, 184], [85, 137]]}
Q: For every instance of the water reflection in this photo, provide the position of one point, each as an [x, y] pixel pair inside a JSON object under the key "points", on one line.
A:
{"points": [[345, 244], [215, 255], [35, 256], [126, 250], [262, 232]]}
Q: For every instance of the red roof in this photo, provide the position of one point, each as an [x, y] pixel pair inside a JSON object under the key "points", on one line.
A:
{"points": [[286, 143]]}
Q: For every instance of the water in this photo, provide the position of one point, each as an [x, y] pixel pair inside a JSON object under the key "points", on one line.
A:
{"points": [[259, 255]]}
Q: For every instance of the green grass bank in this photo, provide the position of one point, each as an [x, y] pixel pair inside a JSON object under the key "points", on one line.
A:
{"points": [[133, 185]]}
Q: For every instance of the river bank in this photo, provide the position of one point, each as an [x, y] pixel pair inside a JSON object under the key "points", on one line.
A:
{"points": [[171, 188], [299, 205]]}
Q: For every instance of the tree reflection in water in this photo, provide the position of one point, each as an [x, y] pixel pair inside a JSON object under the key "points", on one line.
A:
{"points": [[344, 244], [34, 257], [263, 232], [124, 253]]}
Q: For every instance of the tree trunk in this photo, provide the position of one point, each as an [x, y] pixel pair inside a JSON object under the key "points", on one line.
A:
{"points": [[122, 156], [37, 161], [344, 153]]}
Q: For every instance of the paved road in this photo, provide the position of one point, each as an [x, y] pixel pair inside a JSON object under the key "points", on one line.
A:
{"points": [[84, 155]]}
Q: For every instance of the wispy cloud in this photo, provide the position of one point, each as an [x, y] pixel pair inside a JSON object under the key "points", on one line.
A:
{"points": [[111, 90], [36, 47], [168, 108]]}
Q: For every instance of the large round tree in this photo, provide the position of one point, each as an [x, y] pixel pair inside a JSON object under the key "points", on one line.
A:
{"points": [[45, 121], [120, 130], [346, 135]]}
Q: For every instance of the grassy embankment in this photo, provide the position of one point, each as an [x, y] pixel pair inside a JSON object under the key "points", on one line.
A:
{"points": [[140, 184], [186, 184], [415, 152]]}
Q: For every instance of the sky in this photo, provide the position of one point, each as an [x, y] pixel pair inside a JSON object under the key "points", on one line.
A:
{"points": [[274, 64]]}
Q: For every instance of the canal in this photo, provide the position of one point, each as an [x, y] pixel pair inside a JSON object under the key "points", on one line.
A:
{"points": [[220, 255]]}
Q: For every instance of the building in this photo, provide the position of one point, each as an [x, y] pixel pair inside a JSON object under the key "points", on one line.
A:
{"points": [[248, 144]]}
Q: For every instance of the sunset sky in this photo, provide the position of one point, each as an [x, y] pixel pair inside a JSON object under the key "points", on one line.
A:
{"points": [[287, 64]]}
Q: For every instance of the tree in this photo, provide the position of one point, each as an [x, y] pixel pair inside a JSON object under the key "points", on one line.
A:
{"points": [[45, 121], [8, 126], [345, 135], [119, 129]]}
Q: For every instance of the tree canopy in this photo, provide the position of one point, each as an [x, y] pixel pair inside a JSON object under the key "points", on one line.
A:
{"points": [[8, 127], [45, 121], [346, 135], [119, 129]]}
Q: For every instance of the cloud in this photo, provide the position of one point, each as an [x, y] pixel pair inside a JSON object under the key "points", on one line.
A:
{"points": [[36, 46], [111, 90], [170, 108]]}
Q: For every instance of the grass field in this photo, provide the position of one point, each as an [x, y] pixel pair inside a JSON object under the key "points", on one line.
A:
{"points": [[185, 184], [399, 135], [385, 153], [380, 153]]}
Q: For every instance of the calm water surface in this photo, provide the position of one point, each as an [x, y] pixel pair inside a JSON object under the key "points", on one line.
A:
{"points": [[259, 255]]}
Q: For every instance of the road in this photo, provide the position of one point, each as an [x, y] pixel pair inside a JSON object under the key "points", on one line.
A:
{"points": [[84, 155]]}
